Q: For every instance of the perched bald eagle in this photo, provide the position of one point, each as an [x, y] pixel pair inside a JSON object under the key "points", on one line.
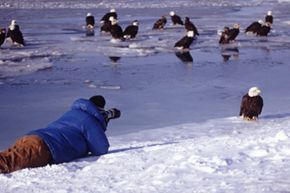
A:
{"points": [[252, 104], [90, 25], [269, 17], [264, 30], [131, 30], [90, 20], [224, 39], [160, 23], [15, 34], [254, 27], [176, 20], [189, 26], [116, 30], [107, 16], [234, 32], [186, 41]]}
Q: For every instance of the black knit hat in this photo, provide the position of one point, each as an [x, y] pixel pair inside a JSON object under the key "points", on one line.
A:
{"points": [[98, 100]]}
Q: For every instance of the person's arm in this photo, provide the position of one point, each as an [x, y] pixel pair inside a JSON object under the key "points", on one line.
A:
{"points": [[95, 132], [97, 140]]}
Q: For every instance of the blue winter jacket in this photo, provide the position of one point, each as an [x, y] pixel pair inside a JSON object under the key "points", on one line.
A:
{"points": [[79, 131]]}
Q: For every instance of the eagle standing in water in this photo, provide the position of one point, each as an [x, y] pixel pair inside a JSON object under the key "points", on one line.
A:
{"points": [[185, 42], [252, 104]]}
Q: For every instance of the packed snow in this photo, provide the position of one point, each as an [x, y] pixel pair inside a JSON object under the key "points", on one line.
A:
{"points": [[179, 130], [222, 155]]}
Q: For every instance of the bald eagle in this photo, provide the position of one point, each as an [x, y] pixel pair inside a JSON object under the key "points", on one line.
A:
{"points": [[131, 30], [234, 32], [264, 30], [269, 17], [189, 26], [116, 30], [254, 27], [107, 16], [160, 23], [186, 41], [15, 34], [224, 39], [90, 21], [252, 104], [176, 19]]}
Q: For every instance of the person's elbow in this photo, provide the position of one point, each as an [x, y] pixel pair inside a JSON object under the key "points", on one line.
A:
{"points": [[102, 149]]}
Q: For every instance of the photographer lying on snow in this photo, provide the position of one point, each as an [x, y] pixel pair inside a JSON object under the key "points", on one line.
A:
{"points": [[78, 133]]}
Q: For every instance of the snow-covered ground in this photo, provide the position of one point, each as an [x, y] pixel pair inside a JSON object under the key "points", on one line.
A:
{"points": [[222, 155], [178, 131]]}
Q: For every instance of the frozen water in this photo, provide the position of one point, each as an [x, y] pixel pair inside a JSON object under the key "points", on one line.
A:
{"points": [[153, 85]]}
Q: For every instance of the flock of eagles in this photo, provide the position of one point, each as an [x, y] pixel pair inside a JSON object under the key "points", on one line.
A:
{"points": [[252, 102]]}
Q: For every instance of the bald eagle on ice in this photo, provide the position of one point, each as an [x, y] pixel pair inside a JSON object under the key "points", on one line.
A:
{"points": [[15, 34], [252, 104]]}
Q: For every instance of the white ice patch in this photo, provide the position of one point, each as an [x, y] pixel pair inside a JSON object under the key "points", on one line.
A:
{"points": [[14, 69], [35, 56], [15, 62], [141, 46], [110, 87]]}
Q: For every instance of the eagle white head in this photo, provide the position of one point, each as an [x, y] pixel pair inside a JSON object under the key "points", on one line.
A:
{"points": [[269, 13], [13, 22], [113, 20], [12, 25], [135, 23], [237, 26], [113, 10], [190, 34], [171, 13], [89, 14], [254, 91]]}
